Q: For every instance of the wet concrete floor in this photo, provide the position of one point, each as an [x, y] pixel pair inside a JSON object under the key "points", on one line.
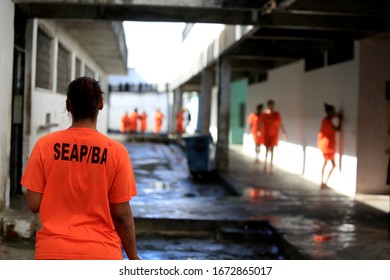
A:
{"points": [[274, 216], [176, 214]]}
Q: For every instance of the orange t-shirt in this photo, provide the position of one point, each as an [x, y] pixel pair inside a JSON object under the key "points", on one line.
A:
{"points": [[80, 172], [257, 129], [179, 122], [144, 123], [326, 140], [134, 121], [272, 122], [158, 118], [125, 124]]}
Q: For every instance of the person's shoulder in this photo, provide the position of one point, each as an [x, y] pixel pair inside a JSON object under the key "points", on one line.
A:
{"points": [[51, 136], [110, 141]]}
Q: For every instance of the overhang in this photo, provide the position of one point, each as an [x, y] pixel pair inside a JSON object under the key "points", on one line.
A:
{"points": [[103, 40]]}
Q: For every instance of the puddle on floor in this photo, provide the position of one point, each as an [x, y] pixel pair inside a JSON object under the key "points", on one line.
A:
{"points": [[204, 249]]}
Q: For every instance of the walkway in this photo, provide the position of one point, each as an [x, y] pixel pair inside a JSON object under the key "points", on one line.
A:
{"points": [[323, 224]]}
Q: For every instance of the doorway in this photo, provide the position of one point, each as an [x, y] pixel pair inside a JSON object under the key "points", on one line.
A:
{"points": [[16, 159]]}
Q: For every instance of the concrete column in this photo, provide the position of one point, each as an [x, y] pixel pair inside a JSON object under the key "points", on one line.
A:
{"points": [[222, 152], [205, 106], [177, 104]]}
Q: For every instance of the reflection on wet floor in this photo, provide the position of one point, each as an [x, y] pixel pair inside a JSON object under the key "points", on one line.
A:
{"points": [[164, 181], [204, 249], [257, 194]]}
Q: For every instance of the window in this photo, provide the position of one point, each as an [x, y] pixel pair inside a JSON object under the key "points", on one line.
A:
{"points": [[63, 69], [89, 72], [78, 68], [44, 61]]}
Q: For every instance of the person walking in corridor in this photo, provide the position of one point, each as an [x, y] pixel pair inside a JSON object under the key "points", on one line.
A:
{"points": [[158, 120], [80, 182], [272, 125], [326, 141], [256, 127]]}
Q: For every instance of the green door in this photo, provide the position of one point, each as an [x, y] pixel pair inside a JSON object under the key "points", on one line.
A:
{"points": [[237, 111]]}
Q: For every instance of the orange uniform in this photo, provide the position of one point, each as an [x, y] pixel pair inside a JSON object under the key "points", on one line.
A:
{"points": [[125, 124], [272, 122], [326, 140], [80, 172], [144, 122], [179, 122], [158, 119], [134, 121], [257, 127]]}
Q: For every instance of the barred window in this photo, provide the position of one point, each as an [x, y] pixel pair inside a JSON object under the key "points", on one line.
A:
{"points": [[78, 68], [44, 61], [89, 72], [63, 69]]}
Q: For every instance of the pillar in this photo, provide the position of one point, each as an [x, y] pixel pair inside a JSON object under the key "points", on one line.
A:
{"points": [[177, 105], [222, 152], [205, 108]]}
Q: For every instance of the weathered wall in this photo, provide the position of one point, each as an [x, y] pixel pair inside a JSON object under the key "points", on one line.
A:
{"points": [[6, 61], [373, 137]]}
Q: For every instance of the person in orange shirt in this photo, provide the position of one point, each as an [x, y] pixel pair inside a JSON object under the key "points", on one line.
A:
{"points": [[179, 121], [144, 122], [80, 182], [272, 124], [125, 123], [134, 117], [326, 141], [256, 127], [158, 119]]}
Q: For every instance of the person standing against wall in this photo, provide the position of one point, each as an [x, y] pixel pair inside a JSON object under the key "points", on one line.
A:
{"points": [[256, 128], [80, 182], [158, 120], [134, 117], [272, 125], [326, 141], [125, 123], [144, 123]]}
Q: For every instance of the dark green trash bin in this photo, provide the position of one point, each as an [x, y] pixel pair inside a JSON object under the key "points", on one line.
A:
{"points": [[200, 153]]}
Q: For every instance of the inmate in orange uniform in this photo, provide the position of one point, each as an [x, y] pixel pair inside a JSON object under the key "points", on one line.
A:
{"points": [[272, 122], [326, 141], [158, 119], [125, 124], [134, 121], [75, 207], [144, 122], [257, 129], [179, 122]]}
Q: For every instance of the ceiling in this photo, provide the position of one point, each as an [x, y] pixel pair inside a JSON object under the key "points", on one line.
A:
{"points": [[284, 30]]}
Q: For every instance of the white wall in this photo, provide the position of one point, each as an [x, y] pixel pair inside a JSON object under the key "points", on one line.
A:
{"points": [[6, 61], [373, 135], [149, 102], [299, 97]]}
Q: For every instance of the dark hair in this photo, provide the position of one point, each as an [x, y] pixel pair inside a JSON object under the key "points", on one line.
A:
{"points": [[259, 106], [328, 108], [84, 95], [271, 101]]}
